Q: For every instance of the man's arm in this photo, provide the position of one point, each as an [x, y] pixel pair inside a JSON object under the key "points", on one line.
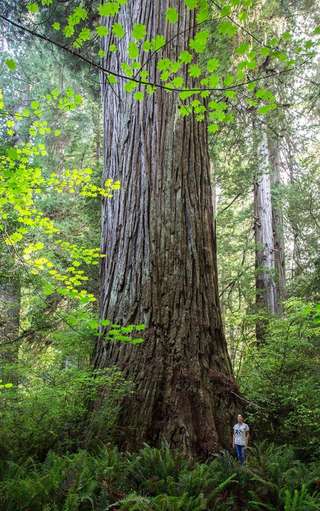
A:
{"points": [[247, 437]]}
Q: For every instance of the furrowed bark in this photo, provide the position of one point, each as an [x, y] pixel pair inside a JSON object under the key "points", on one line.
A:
{"points": [[160, 266], [277, 220], [266, 295], [269, 234]]}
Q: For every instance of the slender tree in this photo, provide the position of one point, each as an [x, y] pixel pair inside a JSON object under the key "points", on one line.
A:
{"points": [[160, 265], [266, 298], [268, 226], [274, 143]]}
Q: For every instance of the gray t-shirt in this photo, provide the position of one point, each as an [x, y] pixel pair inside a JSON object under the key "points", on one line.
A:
{"points": [[239, 432]]}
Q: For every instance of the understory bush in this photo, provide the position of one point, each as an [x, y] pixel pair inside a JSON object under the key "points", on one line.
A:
{"points": [[281, 380], [160, 480], [49, 411]]}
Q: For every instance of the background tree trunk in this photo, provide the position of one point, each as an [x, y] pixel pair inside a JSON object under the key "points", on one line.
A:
{"points": [[160, 266], [269, 234], [277, 219], [266, 296], [9, 325]]}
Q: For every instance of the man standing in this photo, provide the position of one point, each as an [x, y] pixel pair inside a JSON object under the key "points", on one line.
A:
{"points": [[240, 439]]}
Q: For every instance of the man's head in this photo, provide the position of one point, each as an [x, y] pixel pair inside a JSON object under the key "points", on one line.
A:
{"points": [[240, 419]]}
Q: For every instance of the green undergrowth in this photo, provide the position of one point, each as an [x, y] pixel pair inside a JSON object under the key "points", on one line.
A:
{"points": [[160, 480]]}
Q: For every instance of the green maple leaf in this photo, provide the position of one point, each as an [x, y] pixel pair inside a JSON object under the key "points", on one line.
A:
{"points": [[109, 9], [213, 128], [177, 82], [138, 96], [139, 31], [158, 42], [266, 108], [213, 65], [133, 50], [192, 4], [194, 70], [102, 31], [172, 15], [265, 94], [227, 28], [33, 7], [118, 30], [11, 64], [185, 57], [199, 42], [130, 86], [242, 48]]}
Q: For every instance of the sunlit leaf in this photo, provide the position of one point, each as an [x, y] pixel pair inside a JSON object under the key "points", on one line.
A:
{"points": [[11, 64], [172, 15]]}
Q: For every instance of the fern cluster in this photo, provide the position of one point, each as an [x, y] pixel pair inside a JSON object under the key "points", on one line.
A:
{"points": [[160, 480]]}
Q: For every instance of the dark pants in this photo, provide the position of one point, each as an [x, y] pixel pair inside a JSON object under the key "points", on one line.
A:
{"points": [[241, 453]]}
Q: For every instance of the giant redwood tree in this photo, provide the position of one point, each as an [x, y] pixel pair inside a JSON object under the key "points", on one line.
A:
{"points": [[160, 265]]}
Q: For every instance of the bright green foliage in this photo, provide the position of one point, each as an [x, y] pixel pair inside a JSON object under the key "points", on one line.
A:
{"points": [[109, 8], [118, 30], [102, 31], [130, 86], [122, 333], [5, 385], [157, 42], [185, 57], [213, 128], [139, 31], [212, 65], [243, 48], [83, 36], [22, 181], [227, 28], [266, 108], [192, 4], [245, 59], [33, 7], [133, 50], [79, 14], [194, 70], [199, 42], [172, 15], [138, 96], [10, 63]]}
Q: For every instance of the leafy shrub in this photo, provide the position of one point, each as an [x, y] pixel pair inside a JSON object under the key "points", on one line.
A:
{"points": [[49, 410], [282, 379]]}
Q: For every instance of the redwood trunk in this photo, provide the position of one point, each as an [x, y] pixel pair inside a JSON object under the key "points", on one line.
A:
{"points": [[266, 295], [160, 266], [277, 220]]}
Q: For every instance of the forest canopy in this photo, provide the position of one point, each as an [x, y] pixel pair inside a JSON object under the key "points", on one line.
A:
{"points": [[159, 255]]}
